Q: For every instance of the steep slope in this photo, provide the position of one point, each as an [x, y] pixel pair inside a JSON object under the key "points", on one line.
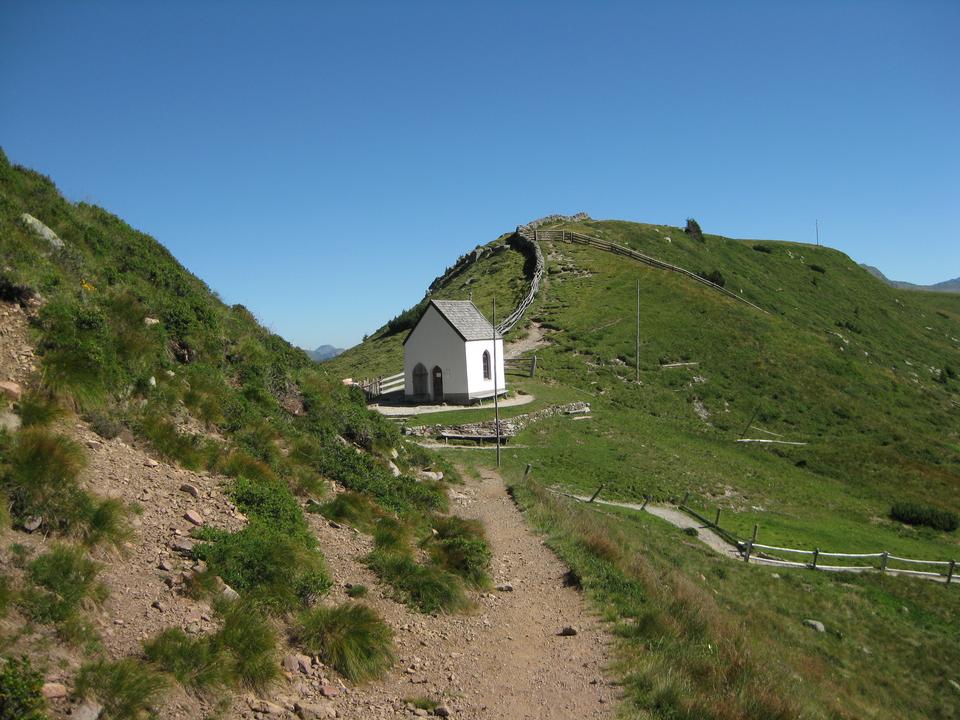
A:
{"points": [[162, 459], [864, 375]]}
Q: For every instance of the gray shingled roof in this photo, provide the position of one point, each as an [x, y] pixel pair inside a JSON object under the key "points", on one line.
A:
{"points": [[465, 318]]}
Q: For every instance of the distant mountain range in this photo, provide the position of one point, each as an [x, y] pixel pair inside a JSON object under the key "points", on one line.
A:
{"points": [[324, 352], [945, 286]]}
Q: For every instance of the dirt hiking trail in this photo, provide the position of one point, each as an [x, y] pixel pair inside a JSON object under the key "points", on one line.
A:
{"points": [[507, 659]]}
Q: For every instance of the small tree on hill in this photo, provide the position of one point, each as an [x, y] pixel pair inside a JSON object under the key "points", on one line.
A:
{"points": [[693, 230]]}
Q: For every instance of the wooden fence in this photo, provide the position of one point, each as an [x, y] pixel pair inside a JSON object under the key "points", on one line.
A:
{"points": [[580, 238], [375, 387], [513, 318], [752, 549]]}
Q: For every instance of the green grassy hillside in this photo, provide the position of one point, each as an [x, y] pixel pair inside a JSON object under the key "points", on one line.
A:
{"points": [[864, 374], [130, 343]]}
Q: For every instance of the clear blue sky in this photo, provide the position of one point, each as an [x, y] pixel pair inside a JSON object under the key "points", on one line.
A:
{"points": [[322, 162]]}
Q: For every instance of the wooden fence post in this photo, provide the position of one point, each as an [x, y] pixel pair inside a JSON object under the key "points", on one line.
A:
{"points": [[686, 496], [953, 565], [594, 496], [646, 499], [753, 539], [816, 554], [716, 522], [527, 471], [883, 561], [533, 366]]}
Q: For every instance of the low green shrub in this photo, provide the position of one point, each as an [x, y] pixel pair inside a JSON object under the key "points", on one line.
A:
{"points": [[424, 587], [20, 691], [350, 638], [127, 688], [817, 268], [63, 577], [13, 292], [191, 451], [104, 423], [460, 546], [691, 531], [6, 595], [926, 515], [357, 591], [714, 276], [763, 248]]}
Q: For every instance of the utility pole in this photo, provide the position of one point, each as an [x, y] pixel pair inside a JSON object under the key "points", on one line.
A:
{"points": [[496, 398], [638, 332]]}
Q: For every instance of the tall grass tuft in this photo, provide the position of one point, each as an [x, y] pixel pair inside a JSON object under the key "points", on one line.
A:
{"points": [[425, 587], [460, 546], [350, 508], [41, 480], [126, 688], [351, 638], [38, 409], [62, 577], [241, 652]]}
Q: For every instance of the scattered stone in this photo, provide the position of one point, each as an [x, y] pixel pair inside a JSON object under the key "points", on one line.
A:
{"points": [[52, 691], [42, 230], [815, 625], [89, 710], [568, 631], [182, 546], [32, 524], [94, 444], [505, 587], [151, 463], [420, 712], [290, 663], [265, 707], [304, 664], [157, 605], [329, 691], [192, 516], [228, 593], [430, 475], [335, 525], [441, 711], [394, 470], [314, 711], [190, 489], [165, 565], [954, 684], [11, 389], [148, 321], [10, 421], [152, 381]]}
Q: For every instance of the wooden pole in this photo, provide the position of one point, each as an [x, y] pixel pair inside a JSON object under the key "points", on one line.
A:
{"points": [[638, 332], [750, 544], [527, 471], [686, 496], [883, 561], [496, 398], [816, 555], [646, 499], [594, 496], [953, 566], [752, 418], [716, 522]]}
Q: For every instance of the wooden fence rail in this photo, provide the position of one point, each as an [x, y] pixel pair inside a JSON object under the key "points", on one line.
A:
{"points": [[539, 266], [580, 238], [752, 549]]}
